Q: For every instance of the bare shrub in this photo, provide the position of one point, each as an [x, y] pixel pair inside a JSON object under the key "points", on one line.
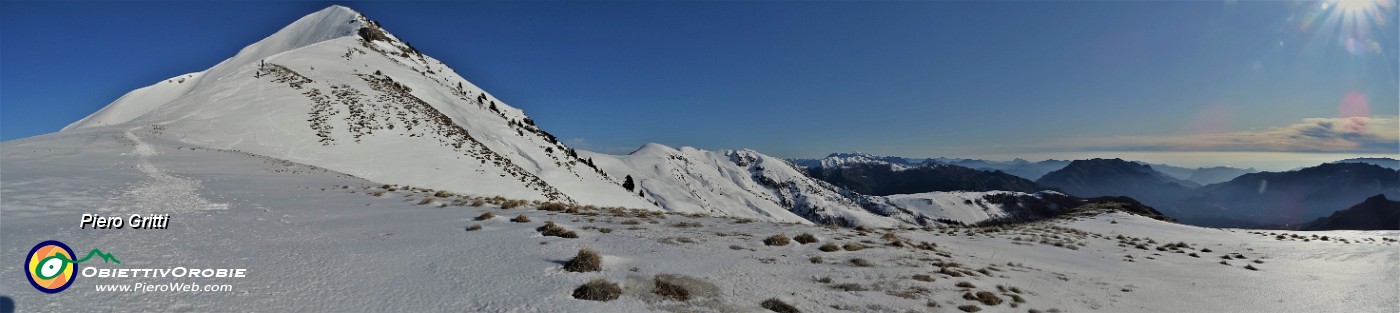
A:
{"points": [[777, 240], [587, 260], [775, 305], [805, 238], [598, 290]]}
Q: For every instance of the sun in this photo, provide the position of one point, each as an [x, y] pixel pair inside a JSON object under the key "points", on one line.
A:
{"points": [[1353, 24], [1357, 6]]}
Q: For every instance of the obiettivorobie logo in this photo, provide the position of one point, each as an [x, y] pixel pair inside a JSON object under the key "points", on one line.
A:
{"points": [[51, 268]]}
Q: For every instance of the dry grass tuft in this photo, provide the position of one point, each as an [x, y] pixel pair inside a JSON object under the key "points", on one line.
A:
{"points": [[987, 298], [587, 260], [775, 305], [598, 290], [777, 240], [485, 216], [805, 238], [861, 262], [669, 290], [551, 229]]}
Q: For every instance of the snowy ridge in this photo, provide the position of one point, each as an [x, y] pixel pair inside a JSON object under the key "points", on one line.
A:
{"points": [[968, 207], [740, 183]]}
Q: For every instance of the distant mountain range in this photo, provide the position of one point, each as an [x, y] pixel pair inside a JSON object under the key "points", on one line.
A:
{"points": [[1116, 177], [1202, 175], [1382, 162], [1230, 197], [1021, 167], [883, 176], [1376, 213], [1292, 197]]}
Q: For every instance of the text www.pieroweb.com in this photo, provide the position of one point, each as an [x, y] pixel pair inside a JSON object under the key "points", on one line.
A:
{"points": [[164, 287]]}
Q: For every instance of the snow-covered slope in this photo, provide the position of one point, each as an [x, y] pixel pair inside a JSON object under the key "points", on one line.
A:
{"points": [[315, 240], [745, 183], [740, 183], [971, 207], [339, 92]]}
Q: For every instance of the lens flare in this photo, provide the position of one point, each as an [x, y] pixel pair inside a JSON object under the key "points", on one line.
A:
{"points": [[1353, 104], [1353, 21]]}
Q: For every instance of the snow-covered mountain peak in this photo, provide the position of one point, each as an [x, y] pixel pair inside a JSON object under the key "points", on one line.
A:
{"points": [[653, 149], [327, 24], [335, 90]]}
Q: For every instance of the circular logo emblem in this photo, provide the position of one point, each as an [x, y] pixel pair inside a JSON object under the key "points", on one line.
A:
{"points": [[50, 266]]}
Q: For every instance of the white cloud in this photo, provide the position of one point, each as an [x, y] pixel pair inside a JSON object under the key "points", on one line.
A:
{"points": [[1374, 134]]}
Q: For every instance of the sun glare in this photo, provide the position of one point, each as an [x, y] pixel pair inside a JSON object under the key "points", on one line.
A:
{"points": [[1355, 22]]}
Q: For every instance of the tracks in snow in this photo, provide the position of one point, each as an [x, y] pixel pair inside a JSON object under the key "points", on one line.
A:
{"points": [[161, 192]]}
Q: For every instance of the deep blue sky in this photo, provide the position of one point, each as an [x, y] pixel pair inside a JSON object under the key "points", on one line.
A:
{"points": [[794, 79]]}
